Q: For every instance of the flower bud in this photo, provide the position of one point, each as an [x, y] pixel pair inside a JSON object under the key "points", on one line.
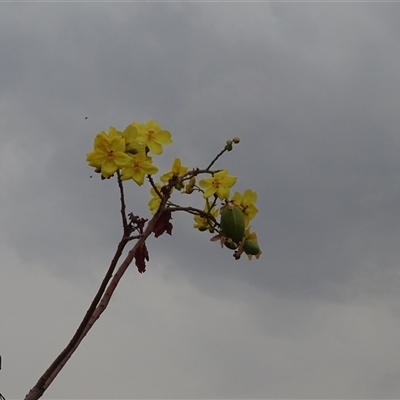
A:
{"points": [[228, 146], [178, 185], [190, 185], [230, 244], [189, 189], [236, 140]]}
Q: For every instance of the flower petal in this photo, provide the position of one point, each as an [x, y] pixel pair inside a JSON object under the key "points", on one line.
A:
{"points": [[209, 192], [155, 147], [249, 197], [206, 182], [138, 177], [108, 168], [102, 142], [121, 159], [163, 137]]}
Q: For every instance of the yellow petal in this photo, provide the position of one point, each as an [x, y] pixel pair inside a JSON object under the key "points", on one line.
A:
{"points": [[95, 158], [223, 192], [118, 144], [209, 192], [237, 198], [229, 180], [206, 182], [148, 168], [108, 168], [121, 159], [154, 147], [166, 177], [163, 137], [138, 177], [102, 142], [249, 197]]}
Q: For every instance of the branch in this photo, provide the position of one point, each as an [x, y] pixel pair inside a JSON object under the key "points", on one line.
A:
{"points": [[38, 390], [98, 305], [105, 299]]}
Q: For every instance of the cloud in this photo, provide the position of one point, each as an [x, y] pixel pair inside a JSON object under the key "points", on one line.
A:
{"points": [[312, 91]]}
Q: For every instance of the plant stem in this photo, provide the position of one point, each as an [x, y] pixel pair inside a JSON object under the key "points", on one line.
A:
{"points": [[97, 307]]}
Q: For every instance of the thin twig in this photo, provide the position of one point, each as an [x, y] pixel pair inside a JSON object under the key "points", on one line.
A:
{"points": [[123, 205], [196, 211], [216, 157], [150, 178]]}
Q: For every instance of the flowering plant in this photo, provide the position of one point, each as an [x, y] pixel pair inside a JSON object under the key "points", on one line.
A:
{"points": [[128, 155]]}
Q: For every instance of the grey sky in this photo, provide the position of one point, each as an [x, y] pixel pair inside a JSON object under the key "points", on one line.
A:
{"points": [[313, 91]]}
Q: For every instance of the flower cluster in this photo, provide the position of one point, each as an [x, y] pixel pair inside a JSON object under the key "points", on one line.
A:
{"points": [[235, 230], [127, 151], [127, 154]]}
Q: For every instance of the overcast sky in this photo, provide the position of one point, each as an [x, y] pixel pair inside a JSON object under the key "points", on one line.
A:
{"points": [[313, 91]]}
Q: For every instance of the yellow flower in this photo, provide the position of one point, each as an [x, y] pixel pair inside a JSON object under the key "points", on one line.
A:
{"points": [[130, 135], [108, 154], [218, 184], [177, 170], [139, 166], [247, 203], [152, 136], [203, 223], [155, 201]]}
